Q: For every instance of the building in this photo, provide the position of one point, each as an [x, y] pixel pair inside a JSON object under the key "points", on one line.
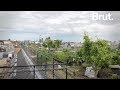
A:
{"points": [[1, 42], [113, 44], [71, 45]]}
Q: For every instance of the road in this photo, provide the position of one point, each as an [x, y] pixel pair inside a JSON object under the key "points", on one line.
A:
{"points": [[29, 62], [21, 61], [24, 60]]}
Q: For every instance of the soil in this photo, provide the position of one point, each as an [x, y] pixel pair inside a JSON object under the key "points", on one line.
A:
{"points": [[107, 73]]}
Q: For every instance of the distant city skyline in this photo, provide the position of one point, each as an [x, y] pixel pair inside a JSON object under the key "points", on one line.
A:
{"points": [[64, 25]]}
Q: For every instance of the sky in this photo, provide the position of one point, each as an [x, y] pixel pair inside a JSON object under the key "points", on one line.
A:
{"points": [[63, 25]]}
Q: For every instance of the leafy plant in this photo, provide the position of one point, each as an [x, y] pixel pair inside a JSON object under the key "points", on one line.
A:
{"points": [[116, 56], [115, 76], [44, 55], [48, 43], [96, 53], [57, 43], [65, 55]]}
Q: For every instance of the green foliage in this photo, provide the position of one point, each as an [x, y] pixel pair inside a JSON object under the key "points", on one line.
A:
{"points": [[87, 47], [44, 44], [48, 43], [44, 55], [97, 53], [119, 46], [52, 44], [79, 55], [100, 54], [57, 43], [115, 60], [115, 76], [65, 56], [116, 56], [61, 56]]}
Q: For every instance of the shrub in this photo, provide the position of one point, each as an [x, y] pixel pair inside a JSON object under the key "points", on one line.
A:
{"points": [[115, 76]]}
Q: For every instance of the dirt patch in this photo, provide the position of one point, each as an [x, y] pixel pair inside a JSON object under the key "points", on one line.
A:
{"points": [[16, 50]]}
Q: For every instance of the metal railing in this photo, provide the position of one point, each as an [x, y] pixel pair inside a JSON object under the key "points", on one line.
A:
{"points": [[33, 71]]}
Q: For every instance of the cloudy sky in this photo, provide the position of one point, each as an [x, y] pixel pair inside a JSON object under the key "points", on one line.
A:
{"points": [[64, 25]]}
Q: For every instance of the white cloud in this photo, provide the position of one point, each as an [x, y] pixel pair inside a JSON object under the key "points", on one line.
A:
{"points": [[58, 22]]}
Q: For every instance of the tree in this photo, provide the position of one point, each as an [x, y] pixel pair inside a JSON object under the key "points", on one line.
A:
{"points": [[57, 43], [44, 44], [119, 46], [116, 55], [52, 44], [118, 52], [61, 56], [48, 43], [44, 55], [87, 47], [96, 53], [65, 56], [79, 55], [101, 56]]}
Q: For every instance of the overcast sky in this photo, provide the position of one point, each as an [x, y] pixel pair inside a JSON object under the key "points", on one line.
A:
{"points": [[64, 25]]}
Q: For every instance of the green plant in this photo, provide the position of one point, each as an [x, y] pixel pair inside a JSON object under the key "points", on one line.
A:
{"points": [[48, 43], [65, 55], [57, 43], [79, 55], [116, 55], [115, 76], [44, 55], [96, 53]]}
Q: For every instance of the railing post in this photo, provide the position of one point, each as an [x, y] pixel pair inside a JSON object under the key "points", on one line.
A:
{"points": [[53, 68], [66, 73], [34, 73], [41, 59]]}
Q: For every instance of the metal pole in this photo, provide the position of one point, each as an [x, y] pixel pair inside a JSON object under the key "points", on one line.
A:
{"points": [[41, 60], [66, 72], [45, 66], [34, 73], [53, 68]]}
